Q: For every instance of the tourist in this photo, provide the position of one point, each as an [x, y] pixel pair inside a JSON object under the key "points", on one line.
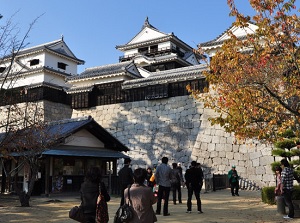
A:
{"points": [[142, 199], [179, 167], [193, 181], [278, 171], [233, 181], [176, 183], [198, 166], [150, 178], [89, 193], [162, 178], [287, 177], [125, 177]]}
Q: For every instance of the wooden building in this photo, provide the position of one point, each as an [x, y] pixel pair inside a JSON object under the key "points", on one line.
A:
{"points": [[81, 144]]}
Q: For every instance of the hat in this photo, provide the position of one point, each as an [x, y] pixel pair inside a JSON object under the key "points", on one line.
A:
{"points": [[233, 166]]}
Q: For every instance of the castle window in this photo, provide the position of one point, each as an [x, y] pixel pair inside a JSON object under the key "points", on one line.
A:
{"points": [[34, 62], [2, 69], [61, 65], [154, 49], [143, 50]]}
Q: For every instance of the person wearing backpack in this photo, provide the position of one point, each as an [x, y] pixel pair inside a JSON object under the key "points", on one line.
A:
{"points": [[141, 199]]}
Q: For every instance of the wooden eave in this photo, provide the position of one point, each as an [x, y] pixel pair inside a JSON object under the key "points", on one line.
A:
{"points": [[36, 70], [91, 78]]}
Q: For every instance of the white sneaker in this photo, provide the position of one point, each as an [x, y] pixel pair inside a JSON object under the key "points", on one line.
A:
{"points": [[287, 217], [188, 212]]}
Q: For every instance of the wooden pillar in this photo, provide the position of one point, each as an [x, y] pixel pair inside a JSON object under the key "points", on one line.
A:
{"points": [[47, 176], [3, 180]]}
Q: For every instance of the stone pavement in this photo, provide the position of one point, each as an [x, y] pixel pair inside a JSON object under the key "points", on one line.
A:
{"points": [[218, 207]]}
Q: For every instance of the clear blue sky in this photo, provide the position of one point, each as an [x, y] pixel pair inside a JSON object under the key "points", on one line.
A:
{"points": [[93, 28]]}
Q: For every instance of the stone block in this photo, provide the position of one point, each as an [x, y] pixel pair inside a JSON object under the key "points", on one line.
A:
{"points": [[211, 147], [255, 155], [266, 160], [222, 154], [216, 139], [214, 154], [229, 155], [255, 162], [260, 170]]}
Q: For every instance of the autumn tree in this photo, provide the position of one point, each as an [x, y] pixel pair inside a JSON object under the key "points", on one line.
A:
{"points": [[24, 133], [255, 80]]}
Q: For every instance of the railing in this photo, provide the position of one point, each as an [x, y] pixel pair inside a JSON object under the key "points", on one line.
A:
{"points": [[152, 53], [220, 181], [246, 184]]}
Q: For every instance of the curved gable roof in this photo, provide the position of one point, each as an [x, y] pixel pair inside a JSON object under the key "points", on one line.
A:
{"points": [[147, 32], [58, 46], [108, 70], [238, 31]]}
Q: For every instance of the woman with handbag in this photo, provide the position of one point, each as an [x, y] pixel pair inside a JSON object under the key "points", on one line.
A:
{"points": [[90, 190], [141, 199]]}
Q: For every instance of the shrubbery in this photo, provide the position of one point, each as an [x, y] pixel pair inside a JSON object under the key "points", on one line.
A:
{"points": [[268, 196]]}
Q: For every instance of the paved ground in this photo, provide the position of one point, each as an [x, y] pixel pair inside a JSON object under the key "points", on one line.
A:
{"points": [[218, 207]]}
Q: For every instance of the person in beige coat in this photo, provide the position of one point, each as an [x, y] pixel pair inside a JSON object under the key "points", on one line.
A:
{"points": [[142, 198]]}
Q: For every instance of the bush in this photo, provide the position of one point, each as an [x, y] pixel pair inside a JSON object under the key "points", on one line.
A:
{"points": [[268, 196], [296, 193]]}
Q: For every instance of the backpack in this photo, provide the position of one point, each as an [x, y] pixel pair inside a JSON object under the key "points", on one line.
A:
{"points": [[125, 212]]}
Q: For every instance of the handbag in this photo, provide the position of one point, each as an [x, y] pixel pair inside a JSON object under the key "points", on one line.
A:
{"points": [[76, 213], [125, 212], [102, 209]]}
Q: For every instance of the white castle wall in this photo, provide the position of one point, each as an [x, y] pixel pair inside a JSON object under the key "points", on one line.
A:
{"points": [[179, 129]]}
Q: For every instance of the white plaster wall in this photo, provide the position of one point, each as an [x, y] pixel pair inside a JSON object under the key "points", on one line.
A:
{"points": [[147, 34], [130, 52], [84, 138], [52, 60]]}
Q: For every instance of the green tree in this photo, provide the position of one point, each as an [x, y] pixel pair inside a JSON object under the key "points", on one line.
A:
{"points": [[288, 148]]}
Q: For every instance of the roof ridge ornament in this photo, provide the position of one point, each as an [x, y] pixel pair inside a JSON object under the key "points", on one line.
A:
{"points": [[147, 24]]}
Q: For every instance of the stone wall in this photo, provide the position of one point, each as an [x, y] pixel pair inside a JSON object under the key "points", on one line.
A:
{"points": [[179, 129]]}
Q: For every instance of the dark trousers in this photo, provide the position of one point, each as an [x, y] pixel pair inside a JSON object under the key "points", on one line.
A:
{"points": [[176, 187], [89, 217], [123, 187], [196, 191], [287, 194], [163, 193], [234, 186]]}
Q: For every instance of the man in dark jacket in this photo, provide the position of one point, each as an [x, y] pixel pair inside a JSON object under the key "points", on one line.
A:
{"points": [[125, 177], [193, 180]]}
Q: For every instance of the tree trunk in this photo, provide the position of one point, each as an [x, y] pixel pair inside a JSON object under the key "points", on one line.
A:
{"points": [[24, 199], [23, 196]]}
